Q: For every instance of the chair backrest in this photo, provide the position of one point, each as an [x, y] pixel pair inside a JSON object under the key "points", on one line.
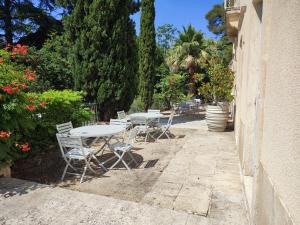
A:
{"points": [[117, 122], [139, 120], [153, 111], [67, 142], [64, 128], [132, 135], [121, 115]]}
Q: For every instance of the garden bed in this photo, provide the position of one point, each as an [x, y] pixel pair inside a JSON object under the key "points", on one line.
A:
{"points": [[45, 167]]}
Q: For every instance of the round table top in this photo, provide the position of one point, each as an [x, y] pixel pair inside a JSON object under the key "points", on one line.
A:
{"points": [[97, 130], [147, 115]]}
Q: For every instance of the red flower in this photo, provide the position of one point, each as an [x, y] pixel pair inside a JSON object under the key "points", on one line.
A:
{"points": [[30, 77], [4, 134], [29, 74], [24, 147], [16, 89], [8, 89], [30, 107], [24, 86], [1, 60], [42, 104]]}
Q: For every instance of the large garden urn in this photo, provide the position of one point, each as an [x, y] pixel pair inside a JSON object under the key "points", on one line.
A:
{"points": [[217, 117]]}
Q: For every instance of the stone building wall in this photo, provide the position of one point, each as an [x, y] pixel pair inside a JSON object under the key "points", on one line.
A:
{"points": [[267, 121]]}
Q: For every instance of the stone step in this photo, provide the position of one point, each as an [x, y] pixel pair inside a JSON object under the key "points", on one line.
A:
{"points": [[24, 202]]}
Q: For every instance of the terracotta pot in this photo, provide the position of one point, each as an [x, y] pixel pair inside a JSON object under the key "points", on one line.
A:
{"points": [[217, 117]]}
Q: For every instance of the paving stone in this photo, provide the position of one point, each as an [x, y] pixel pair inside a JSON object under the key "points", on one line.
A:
{"points": [[194, 199]]}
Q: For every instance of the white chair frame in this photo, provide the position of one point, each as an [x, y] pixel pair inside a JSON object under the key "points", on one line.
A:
{"points": [[64, 128], [121, 115], [120, 149], [143, 124], [72, 149], [165, 129]]}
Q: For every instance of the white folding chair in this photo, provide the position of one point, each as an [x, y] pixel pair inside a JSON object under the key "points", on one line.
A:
{"points": [[120, 122], [120, 149], [154, 122], [143, 125], [165, 129], [64, 128], [72, 150], [121, 115]]}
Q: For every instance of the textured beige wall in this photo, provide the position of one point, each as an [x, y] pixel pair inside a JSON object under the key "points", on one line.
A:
{"points": [[267, 125], [247, 67], [280, 154]]}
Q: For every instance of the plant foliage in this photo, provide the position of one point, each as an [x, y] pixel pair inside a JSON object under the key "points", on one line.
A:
{"points": [[147, 49], [219, 87], [103, 53]]}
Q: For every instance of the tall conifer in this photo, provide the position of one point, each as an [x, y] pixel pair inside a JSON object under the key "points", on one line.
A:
{"points": [[147, 49], [104, 57]]}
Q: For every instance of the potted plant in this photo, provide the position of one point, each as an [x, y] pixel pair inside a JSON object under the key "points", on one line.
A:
{"points": [[217, 93]]}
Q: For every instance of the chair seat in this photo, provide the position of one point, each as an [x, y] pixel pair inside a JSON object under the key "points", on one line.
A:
{"points": [[120, 146], [78, 153], [142, 128]]}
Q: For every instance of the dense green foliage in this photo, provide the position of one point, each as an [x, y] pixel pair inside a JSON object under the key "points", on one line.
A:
{"points": [[216, 25], [219, 87], [103, 53], [27, 22], [28, 120], [170, 90], [52, 65], [188, 56], [147, 49], [68, 103], [13, 113], [216, 20]]}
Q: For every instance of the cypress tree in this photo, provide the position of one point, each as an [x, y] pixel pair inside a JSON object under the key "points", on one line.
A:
{"points": [[103, 56], [147, 50]]}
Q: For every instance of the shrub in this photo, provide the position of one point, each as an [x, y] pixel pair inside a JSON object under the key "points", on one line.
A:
{"points": [[28, 119], [52, 65], [170, 90], [137, 105], [220, 84], [58, 107], [15, 109]]}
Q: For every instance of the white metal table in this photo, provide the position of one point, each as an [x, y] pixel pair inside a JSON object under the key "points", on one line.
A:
{"points": [[105, 132], [147, 115], [97, 131], [146, 121]]}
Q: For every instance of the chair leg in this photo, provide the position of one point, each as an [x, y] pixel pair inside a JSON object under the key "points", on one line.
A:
{"points": [[117, 162], [125, 164], [120, 160], [131, 156], [68, 164], [99, 163], [64, 173], [160, 135], [83, 174], [146, 137], [167, 135]]}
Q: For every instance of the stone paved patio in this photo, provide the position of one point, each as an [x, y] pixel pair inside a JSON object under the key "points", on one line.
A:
{"points": [[196, 180]]}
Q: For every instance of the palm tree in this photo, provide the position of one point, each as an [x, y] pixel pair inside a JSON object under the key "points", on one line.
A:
{"points": [[188, 55]]}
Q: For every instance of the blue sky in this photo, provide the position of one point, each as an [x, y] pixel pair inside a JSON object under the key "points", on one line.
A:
{"points": [[181, 13]]}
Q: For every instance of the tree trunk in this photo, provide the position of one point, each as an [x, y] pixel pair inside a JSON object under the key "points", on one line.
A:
{"points": [[191, 80], [8, 22]]}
